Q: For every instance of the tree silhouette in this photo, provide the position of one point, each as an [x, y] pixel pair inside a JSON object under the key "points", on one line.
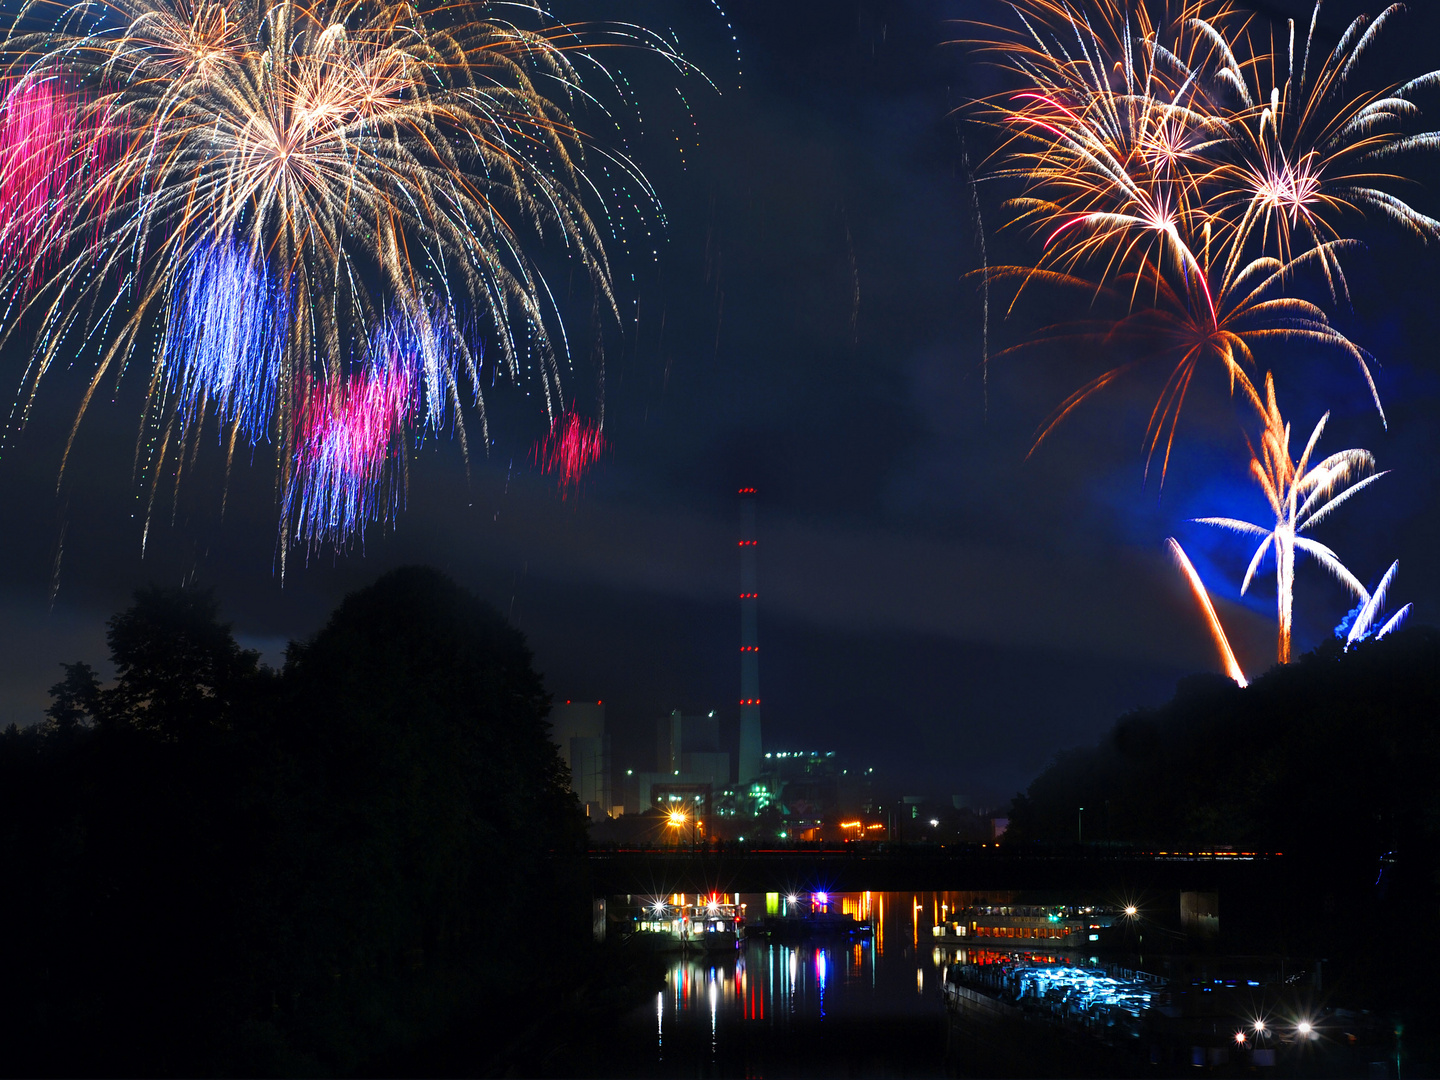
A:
{"points": [[179, 669], [234, 871], [75, 699]]}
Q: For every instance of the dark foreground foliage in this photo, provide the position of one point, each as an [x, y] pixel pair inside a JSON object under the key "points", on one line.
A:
{"points": [[213, 868], [1339, 751], [1333, 761]]}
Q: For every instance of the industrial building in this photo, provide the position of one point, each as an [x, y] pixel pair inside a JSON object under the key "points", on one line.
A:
{"points": [[578, 729]]}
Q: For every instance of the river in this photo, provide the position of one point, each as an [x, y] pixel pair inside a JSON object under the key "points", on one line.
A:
{"points": [[822, 1008]]}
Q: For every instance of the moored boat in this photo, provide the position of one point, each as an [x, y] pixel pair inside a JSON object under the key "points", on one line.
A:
{"points": [[1006, 926], [713, 925], [710, 923]]}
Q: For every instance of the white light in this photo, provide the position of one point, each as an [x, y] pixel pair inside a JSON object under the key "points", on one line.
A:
{"points": [[1130, 910], [1240, 1038], [1259, 1025], [1304, 1027], [934, 822]]}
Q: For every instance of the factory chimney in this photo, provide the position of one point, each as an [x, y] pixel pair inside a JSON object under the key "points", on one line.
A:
{"points": [[749, 757]]}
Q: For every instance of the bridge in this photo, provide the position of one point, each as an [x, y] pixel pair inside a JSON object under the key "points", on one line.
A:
{"points": [[927, 869]]}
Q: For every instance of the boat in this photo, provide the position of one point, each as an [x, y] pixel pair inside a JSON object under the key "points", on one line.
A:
{"points": [[657, 927], [1027, 927], [713, 926], [709, 924]]}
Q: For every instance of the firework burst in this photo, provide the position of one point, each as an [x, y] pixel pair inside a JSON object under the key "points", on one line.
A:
{"points": [[1309, 145], [1301, 494], [1177, 158], [280, 186], [571, 449]]}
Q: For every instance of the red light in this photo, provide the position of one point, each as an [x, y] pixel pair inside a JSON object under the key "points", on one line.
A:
{"points": [[571, 449]]}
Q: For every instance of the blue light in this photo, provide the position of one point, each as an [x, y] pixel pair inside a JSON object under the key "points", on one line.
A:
{"points": [[225, 336], [1083, 988]]}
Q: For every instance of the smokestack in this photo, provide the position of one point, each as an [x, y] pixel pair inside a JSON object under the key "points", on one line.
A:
{"points": [[749, 763]]}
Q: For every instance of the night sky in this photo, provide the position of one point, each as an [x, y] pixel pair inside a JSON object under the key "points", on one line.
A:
{"points": [[932, 604]]}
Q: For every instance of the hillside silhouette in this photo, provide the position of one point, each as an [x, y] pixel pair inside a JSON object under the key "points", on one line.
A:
{"points": [[1333, 762]]}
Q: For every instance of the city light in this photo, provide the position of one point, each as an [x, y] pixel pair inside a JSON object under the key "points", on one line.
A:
{"points": [[1304, 1028], [1259, 1027], [1239, 1038], [1131, 910]]}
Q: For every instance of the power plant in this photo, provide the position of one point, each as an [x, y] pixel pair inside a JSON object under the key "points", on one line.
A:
{"points": [[692, 775]]}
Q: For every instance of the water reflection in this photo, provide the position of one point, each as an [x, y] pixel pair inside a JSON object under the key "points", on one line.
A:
{"points": [[769, 1005], [776, 983]]}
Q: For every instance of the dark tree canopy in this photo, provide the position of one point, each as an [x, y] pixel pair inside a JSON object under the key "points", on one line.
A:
{"points": [[178, 668], [1333, 755], [239, 871], [75, 698]]}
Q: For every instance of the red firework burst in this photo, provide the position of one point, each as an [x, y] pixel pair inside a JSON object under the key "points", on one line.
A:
{"points": [[568, 452]]}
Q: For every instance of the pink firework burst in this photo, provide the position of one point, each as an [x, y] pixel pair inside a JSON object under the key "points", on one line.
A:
{"points": [[568, 452], [349, 434], [45, 148]]}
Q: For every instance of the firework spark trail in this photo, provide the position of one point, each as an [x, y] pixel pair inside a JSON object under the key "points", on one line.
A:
{"points": [[391, 164], [1175, 157], [984, 278], [37, 164], [1202, 597], [1301, 495], [1175, 330], [348, 439], [1370, 610], [223, 341], [1308, 149], [573, 446]]}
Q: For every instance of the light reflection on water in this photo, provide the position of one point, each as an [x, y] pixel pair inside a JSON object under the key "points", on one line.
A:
{"points": [[827, 979], [829, 1007]]}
